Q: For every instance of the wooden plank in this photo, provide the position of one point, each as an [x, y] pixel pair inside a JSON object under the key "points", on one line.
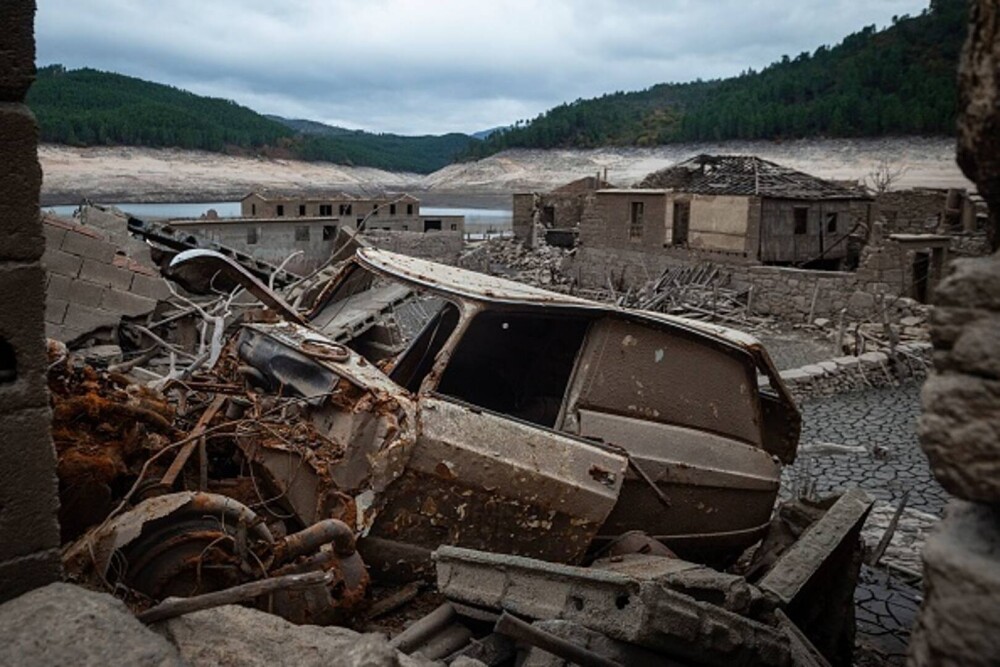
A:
{"points": [[797, 566]]}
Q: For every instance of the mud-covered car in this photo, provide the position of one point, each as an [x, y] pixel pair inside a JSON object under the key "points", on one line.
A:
{"points": [[523, 421]]}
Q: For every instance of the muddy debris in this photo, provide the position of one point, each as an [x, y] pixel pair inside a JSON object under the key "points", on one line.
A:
{"points": [[484, 469]]}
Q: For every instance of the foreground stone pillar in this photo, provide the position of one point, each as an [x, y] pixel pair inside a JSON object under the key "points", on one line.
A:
{"points": [[29, 534], [959, 622]]}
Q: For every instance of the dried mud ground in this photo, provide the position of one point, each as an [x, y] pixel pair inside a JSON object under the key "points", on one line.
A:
{"points": [[868, 439], [120, 173]]}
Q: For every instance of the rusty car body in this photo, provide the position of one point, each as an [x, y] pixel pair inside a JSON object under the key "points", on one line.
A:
{"points": [[519, 420]]}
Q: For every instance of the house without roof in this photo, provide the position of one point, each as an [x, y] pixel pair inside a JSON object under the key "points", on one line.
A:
{"points": [[558, 211], [732, 207]]}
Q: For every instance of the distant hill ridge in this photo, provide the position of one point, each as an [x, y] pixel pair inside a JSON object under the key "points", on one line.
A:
{"points": [[88, 107], [897, 81]]}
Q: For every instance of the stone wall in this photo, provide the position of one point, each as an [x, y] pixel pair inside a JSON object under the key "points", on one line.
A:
{"points": [[90, 284], [788, 293], [850, 373], [960, 426], [918, 211], [521, 212], [29, 532], [442, 247]]}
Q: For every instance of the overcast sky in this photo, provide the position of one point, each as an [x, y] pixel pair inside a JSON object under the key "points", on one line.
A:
{"points": [[435, 66]]}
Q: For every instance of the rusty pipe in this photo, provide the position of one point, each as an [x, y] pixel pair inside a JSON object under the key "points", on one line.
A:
{"points": [[228, 510], [423, 629], [309, 540]]}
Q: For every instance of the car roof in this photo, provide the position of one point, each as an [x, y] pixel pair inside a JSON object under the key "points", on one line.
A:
{"points": [[451, 280]]}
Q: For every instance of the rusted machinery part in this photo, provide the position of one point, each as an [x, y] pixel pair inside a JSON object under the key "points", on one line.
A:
{"points": [[308, 540], [423, 629], [335, 601], [202, 546], [525, 632]]}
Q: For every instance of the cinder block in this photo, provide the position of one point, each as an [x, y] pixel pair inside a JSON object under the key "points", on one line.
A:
{"points": [[125, 303], [85, 318], [20, 180], [106, 274], [960, 433], [22, 323], [63, 263], [88, 247], [17, 46], [55, 310], [149, 286], [53, 236], [20, 575], [86, 293], [58, 287], [958, 624], [28, 487]]}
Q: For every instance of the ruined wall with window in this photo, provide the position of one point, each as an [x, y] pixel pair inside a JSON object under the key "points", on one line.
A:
{"points": [[29, 533], [626, 219]]}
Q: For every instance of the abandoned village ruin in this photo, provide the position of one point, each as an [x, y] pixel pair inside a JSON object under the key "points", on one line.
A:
{"points": [[669, 423]]}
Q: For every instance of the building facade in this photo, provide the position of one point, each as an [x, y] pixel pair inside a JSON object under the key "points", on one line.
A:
{"points": [[731, 208], [391, 212]]}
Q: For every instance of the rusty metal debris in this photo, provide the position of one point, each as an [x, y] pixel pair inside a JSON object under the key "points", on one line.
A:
{"points": [[620, 462]]}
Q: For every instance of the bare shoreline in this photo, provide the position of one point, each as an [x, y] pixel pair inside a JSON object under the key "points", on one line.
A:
{"points": [[131, 174]]}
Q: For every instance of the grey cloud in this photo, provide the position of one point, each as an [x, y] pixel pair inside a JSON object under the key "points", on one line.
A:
{"points": [[423, 66]]}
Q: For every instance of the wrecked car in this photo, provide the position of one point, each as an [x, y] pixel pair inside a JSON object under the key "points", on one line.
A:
{"points": [[522, 421], [391, 419]]}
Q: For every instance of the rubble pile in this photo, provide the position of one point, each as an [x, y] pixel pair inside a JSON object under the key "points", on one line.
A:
{"points": [[700, 292], [541, 266]]}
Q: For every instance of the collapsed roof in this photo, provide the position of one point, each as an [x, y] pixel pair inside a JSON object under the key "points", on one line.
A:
{"points": [[745, 175]]}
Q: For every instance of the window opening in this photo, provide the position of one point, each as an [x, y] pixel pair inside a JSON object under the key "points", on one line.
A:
{"points": [[801, 217], [515, 364], [636, 212]]}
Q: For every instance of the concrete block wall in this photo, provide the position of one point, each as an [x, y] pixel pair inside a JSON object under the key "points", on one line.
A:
{"points": [[959, 623], [89, 283], [29, 531]]}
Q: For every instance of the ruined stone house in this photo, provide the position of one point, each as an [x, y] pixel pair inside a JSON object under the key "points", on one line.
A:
{"points": [[732, 208], [559, 211]]}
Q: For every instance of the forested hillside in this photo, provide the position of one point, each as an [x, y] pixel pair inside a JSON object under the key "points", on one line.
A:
{"points": [[87, 107], [898, 81]]}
